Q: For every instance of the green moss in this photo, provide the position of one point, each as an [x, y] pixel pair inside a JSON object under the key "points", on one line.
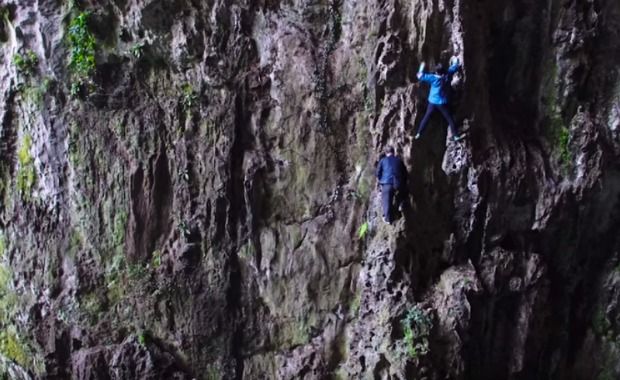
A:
{"points": [[26, 173], [118, 235], [356, 302], [2, 245], [75, 243], [26, 63], [13, 348], [136, 272], [8, 297], [295, 332], [416, 329], [114, 278], [36, 93], [562, 141], [91, 306]]}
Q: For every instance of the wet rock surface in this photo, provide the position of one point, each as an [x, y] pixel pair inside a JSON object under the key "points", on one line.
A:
{"points": [[187, 190]]}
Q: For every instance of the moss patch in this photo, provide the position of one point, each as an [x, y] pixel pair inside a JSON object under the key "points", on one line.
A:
{"points": [[13, 348], [118, 235], [26, 63], [557, 131], [26, 173]]}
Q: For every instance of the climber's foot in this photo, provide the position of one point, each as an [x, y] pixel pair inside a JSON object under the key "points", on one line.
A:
{"points": [[417, 136], [457, 138]]}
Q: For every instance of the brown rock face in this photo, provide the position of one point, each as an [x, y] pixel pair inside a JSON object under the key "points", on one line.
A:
{"points": [[187, 191]]}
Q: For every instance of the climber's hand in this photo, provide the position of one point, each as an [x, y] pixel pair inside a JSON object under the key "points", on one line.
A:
{"points": [[421, 69], [454, 60]]}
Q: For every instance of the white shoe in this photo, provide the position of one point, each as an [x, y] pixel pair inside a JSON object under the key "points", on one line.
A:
{"points": [[417, 136]]}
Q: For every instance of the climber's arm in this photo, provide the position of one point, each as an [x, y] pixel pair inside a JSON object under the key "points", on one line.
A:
{"points": [[424, 77], [454, 65]]}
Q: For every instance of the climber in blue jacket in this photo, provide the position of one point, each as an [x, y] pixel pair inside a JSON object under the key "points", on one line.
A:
{"points": [[392, 177], [438, 95]]}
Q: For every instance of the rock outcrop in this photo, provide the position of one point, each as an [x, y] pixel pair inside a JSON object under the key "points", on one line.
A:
{"points": [[187, 190]]}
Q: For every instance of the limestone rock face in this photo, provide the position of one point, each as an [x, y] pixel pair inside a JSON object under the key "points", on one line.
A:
{"points": [[187, 190]]}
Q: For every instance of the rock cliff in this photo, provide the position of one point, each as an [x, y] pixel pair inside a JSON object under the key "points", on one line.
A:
{"points": [[187, 190]]}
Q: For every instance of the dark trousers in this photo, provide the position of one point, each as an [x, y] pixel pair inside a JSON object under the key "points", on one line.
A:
{"points": [[443, 108], [388, 191]]}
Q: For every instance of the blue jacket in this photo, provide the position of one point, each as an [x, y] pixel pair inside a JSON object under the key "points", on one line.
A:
{"points": [[440, 84], [391, 170]]}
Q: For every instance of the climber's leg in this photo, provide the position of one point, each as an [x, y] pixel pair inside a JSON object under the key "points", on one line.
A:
{"points": [[443, 108], [427, 116], [387, 193]]}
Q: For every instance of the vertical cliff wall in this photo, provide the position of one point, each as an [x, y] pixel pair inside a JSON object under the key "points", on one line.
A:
{"points": [[187, 190]]}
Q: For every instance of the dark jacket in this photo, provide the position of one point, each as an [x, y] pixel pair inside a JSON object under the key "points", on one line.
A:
{"points": [[391, 170]]}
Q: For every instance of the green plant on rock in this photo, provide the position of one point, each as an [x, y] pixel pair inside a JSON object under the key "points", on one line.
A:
{"points": [[83, 48], [184, 229], [416, 329], [137, 50], [156, 259], [136, 272], [189, 97], [363, 230], [26, 63], [143, 338], [26, 173], [557, 131], [247, 251]]}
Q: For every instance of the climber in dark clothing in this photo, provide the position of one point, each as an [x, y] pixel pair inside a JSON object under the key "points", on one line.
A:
{"points": [[438, 95], [392, 176]]}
